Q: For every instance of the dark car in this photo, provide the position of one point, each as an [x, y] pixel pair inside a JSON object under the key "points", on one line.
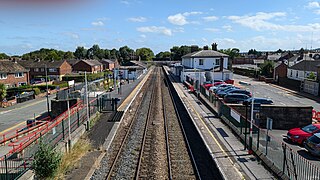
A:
{"points": [[235, 98], [312, 144], [238, 91], [299, 135], [225, 90], [259, 101]]}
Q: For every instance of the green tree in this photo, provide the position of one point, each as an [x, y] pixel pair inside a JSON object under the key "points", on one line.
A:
{"points": [[68, 55], [254, 52], [3, 56], [165, 54], [3, 92], [232, 53], [107, 54], [46, 161], [125, 54], [95, 52], [52, 55], [267, 68], [279, 51], [178, 52], [146, 54], [114, 54], [312, 76], [80, 52]]}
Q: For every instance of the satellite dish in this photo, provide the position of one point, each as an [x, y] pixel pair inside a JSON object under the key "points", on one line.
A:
{"points": [[286, 62]]}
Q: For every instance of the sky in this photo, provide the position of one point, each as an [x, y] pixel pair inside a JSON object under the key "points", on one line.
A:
{"points": [[159, 24]]}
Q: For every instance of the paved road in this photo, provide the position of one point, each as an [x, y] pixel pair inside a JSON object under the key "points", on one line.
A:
{"points": [[282, 97], [279, 96], [18, 114]]}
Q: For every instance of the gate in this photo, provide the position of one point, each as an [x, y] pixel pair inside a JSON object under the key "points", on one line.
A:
{"points": [[107, 103], [311, 87]]}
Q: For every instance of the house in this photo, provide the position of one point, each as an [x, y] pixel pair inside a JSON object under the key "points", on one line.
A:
{"points": [[109, 64], [206, 65], [274, 57], [55, 69], [280, 71], [13, 74], [303, 70], [133, 70], [91, 66], [72, 62]]}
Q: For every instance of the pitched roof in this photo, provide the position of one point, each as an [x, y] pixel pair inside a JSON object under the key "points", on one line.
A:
{"points": [[92, 62], [110, 61], [73, 61], [7, 66], [306, 66], [41, 64], [204, 54]]}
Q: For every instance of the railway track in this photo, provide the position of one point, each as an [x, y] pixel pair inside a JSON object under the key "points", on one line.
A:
{"points": [[152, 143]]}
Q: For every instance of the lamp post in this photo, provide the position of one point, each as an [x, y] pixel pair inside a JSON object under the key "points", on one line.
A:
{"points": [[46, 71], [87, 99], [69, 124]]}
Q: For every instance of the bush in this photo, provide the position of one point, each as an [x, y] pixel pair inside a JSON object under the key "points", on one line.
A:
{"points": [[46, 161], [36, 91]]}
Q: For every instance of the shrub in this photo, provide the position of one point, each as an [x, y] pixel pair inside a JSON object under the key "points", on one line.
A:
{"points": [[46, 161], [36, 91]]}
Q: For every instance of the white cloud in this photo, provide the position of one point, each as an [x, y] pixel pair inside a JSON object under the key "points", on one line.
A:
{"points": [[317, 11], [191, 13], [125, 2], [137, 19], [212, 29], [143, 36], [97, 23], [178, 19], [210, 18], [259, 22], [179, 29], [72, 35], [204, 39], [227, 28], [155, 29], [313, 4]]}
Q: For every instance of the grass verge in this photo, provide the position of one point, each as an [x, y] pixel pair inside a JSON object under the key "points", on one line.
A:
{"points": [[69, 160]]}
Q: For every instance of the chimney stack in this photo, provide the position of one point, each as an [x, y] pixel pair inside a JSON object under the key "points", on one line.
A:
{"points": [[214, 46], [194, 48], [205, 48]]}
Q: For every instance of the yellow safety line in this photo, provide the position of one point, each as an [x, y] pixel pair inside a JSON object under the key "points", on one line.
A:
{"points": [[200, 117], [134, 91], [10, 128]]}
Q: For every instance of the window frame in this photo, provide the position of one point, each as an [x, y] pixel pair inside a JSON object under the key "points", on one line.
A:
{"points": [[3, 76]]}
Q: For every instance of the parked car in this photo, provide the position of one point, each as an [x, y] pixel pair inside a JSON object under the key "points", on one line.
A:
{"points": [[299, 135], [259, 101], [37, 80], [222, 93], [207, 86], [235, 98], [214, 88], [225, 89], [238, 91], [312, 144]]}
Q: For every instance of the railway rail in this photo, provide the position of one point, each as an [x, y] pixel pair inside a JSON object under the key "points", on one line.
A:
{"points": [[153, 144]]}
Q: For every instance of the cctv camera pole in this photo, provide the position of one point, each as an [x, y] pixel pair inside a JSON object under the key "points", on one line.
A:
{"points": [[87, 100], [47, 89], [251, 122], [69, 124]]}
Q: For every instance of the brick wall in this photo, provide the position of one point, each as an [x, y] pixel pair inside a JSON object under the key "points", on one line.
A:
{"points": [[284, 117]]}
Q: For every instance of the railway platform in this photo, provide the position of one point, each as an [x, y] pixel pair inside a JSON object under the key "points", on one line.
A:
{"points": [[226, 149]]}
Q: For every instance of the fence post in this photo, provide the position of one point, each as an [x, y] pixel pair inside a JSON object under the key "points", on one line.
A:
{"points": [[284, 158], [78, 118], [98, 102], [62, 123], [258, 141], [6, 165], [89, 110]]}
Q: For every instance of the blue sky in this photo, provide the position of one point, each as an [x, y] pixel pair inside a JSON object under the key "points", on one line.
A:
{"points": [[161, 24]]}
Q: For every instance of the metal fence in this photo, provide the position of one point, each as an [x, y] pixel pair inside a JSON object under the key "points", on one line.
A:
{"points": [[287, 161], [52, 132]]}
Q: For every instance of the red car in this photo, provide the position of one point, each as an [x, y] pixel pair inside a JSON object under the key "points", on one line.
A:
{"points": [[207, 86], [299, 135]]}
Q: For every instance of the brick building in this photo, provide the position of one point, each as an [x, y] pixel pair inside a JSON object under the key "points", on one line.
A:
{"points": [[109, 64], [55, 69], [13, 74], [91, 66]]}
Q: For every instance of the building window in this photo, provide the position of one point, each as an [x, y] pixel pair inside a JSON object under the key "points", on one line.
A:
{"points": [[52, 70], [36, 69], [201, 61], [3, 76], [290, 73], [217, 62], [297, 73], [18, 74], [42, 69]]}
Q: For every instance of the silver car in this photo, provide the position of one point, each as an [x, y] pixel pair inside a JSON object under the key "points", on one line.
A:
{"points": [[312, 144]]}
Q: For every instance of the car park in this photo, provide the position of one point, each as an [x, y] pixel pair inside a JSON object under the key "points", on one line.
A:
{"points": [[221, 86], [299, 135], [235, 98], [222, 93], [259, 101], [312, 144]]}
